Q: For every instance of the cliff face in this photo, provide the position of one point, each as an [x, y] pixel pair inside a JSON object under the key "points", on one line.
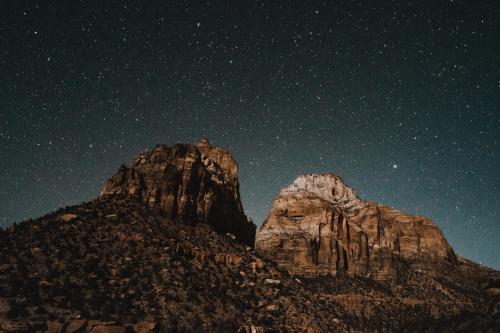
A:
{"points": [[191, 183], [319, 226]]}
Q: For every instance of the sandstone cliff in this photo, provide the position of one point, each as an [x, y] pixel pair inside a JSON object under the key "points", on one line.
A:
{"points": [[318, 225], [191, 183]]}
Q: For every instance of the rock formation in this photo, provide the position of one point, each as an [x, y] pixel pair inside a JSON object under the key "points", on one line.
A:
{"points": [[318, 225], [191, 183], [136, 260]]}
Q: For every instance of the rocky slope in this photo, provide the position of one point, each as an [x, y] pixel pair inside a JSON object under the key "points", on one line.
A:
{"points": [[192, 183], [116, 264], [319, 226]]}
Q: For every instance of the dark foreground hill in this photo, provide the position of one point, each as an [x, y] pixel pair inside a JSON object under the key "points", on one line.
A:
{"points": [[167, 248], [110, 264]]}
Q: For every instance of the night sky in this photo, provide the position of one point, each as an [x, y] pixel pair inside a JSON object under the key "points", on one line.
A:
{"points": [[399, 98]]}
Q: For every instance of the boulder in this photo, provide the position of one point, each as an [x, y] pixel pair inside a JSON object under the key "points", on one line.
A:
{"points": [[68, 217], [54, 327], [144, 327], [108, 329], [75, 326]]}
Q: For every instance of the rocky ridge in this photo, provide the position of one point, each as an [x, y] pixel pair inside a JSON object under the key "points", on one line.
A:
{"points": [[318, 225]]}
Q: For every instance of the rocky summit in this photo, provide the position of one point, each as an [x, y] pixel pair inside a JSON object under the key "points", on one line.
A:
{"points": [[166, 247], [192, 183], [319, 226]]}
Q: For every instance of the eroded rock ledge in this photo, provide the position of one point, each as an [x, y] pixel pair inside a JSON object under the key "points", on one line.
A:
{"points": [[319, 226]]}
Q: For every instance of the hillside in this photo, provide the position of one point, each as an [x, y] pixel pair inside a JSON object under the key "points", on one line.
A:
{"points": [[149, 255]]}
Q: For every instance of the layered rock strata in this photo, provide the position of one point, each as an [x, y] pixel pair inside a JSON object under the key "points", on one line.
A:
{"points": [[319, 226], [191, 183]]}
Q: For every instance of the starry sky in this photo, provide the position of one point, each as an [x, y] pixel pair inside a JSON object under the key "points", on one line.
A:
{"points": [[399, 98]]}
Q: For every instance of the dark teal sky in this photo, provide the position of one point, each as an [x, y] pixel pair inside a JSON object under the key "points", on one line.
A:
{"points": [[401, 99]]}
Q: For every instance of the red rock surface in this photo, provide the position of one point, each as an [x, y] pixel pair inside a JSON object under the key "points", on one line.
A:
{"points": [[192, 183], [318, 225]]}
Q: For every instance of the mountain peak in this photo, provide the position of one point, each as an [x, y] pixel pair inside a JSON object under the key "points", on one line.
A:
{"points": [[319, 226], [327, 186], [203, 142], [192, 183]]}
